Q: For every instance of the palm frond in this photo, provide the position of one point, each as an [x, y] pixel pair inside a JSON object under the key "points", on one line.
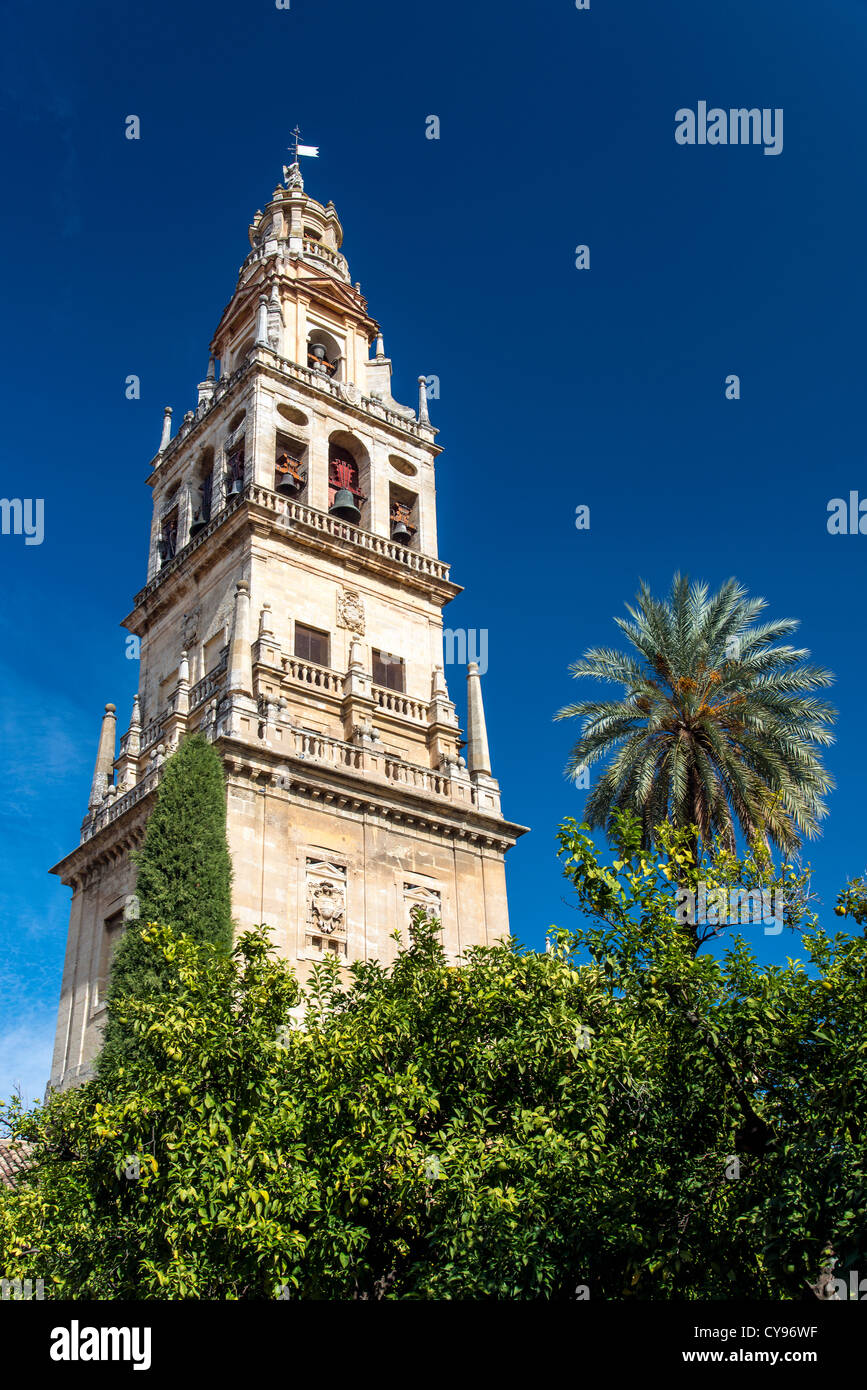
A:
{"points": [[718, 724]]}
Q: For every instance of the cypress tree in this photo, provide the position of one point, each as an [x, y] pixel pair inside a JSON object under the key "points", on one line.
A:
{"points": [[184, 881]]}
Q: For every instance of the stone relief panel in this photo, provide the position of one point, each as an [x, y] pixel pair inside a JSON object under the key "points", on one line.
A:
{"points": [[420, 895], [350, 611], [325, 927], [190, 628]]}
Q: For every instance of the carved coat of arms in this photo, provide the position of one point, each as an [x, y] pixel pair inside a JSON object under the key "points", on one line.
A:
{"points": [[350, 611], [327, 908]]}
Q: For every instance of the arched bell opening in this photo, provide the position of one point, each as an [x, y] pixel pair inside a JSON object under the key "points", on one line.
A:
{"points": [[202, 493], [290, 470], [325, 355], [348, 470], [234, 448], [167, 537], [403, 516]]}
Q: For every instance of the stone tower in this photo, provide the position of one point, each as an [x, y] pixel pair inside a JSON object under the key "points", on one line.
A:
{"points": [[293, 613]]}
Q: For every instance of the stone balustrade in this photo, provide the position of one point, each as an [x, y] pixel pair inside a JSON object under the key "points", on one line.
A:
{"points": [[413, 775], [308, 673], [372, 761], [329, 525], [313, 249], [349, 394], [296, 671], [210, 684], [151, 734], [115, 806], [198, 540], [323, 748], [368, 759], [311, 517], [332, 258], [393, 702]]}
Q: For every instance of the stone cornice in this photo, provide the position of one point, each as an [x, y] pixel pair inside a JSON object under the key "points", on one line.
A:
{"points": [[281, 773], [113, 842], [354, 794]]}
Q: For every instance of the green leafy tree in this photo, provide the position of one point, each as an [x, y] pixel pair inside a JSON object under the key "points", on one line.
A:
{"points": [[717, 726], [782, 1049], [621, 1117], [184, 881], [852, 902]]}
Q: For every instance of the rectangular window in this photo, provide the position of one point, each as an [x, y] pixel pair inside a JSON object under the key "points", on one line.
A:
{"points": [[312, 645], [389, 670]]}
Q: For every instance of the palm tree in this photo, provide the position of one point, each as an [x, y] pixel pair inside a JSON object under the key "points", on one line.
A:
{"points": [[716, 726]]}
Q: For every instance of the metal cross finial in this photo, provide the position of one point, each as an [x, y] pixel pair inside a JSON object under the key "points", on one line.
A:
{"points": [[297, 134]]}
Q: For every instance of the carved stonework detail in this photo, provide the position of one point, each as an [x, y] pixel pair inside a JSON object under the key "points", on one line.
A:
{"points": [[419, 895], [190, 628], [275, 316], [326, 906], [350, 611], [350, 392]]}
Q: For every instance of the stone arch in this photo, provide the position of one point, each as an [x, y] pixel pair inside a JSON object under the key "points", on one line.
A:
{"points": [[200, 483], [333, 364], [343, 446], [168, 541], [242, 352]]}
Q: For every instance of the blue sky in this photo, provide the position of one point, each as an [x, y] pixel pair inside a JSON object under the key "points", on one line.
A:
{"points": [[559, 387]]}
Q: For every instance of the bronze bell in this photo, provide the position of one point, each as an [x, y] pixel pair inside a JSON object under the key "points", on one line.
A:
{"points": [[400, 532], [290, 479], [197, 526], [344, 506]]}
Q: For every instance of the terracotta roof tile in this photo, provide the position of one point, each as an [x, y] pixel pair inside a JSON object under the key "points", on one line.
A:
{"points": [[13, 1160]]}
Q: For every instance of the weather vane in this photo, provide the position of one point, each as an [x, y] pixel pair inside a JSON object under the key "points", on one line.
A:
{"points": [[311, 150]]}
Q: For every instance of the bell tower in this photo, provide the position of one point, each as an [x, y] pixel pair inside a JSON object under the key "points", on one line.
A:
{"points": [[292, 612]]}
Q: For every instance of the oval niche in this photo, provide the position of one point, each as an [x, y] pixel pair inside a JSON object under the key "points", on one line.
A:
{"points": [[289, 412], [403, 466]]}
